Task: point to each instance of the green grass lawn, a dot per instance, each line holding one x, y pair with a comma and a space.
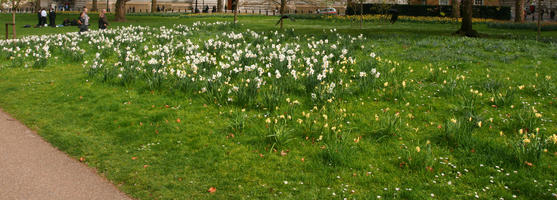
448, 117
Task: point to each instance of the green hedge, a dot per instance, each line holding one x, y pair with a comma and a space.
158, 14
526, 26
487, 12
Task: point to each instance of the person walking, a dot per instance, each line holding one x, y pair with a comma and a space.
103, 23
52, 17
83, 21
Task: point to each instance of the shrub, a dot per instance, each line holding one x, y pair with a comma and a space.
491, 12
524, 26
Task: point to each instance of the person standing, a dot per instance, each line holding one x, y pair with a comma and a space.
103, 23
533, 11
83, 21
43, 17
52, 17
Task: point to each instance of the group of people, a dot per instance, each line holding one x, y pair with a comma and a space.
532, 10
42, 15
82, 22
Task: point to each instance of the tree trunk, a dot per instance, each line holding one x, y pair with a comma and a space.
466, 27
236, 4
361, 14
120, 14
519, 11
281, 11
220, 5
94, 6
456, 8
13, 20
348, 6
37, 5
540, 10
153, 6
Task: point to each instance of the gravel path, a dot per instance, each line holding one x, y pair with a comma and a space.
31, 168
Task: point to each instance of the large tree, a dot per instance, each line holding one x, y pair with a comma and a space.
466, 26
519, 11
120, 14
153, 6
94, 7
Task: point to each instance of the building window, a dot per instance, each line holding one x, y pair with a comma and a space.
478, 2
443, 2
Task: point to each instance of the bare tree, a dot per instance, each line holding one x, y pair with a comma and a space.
14, 5
153, 6
121, 10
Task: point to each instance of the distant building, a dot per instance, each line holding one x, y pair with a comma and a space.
257, 6
249, 6
449, 2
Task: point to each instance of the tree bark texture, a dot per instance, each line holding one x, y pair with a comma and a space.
466, 26
13, 19
37, 5
519, 11
456, 8
282, 9
220, 5
235, 4
120, 10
